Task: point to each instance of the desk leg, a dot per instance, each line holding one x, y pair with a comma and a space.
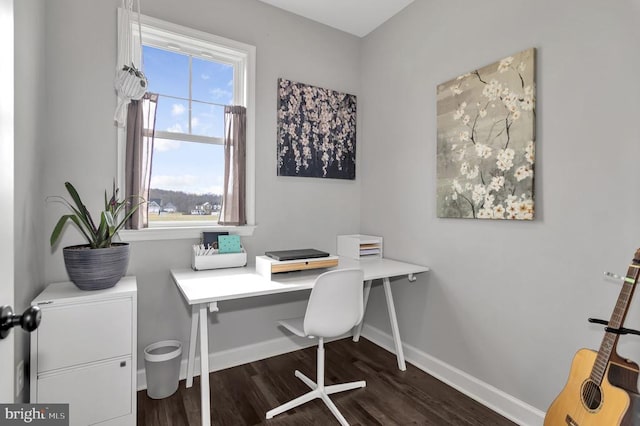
386, 283
358, 329
204, 368
192, 344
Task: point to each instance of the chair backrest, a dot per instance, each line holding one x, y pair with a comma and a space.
335, 304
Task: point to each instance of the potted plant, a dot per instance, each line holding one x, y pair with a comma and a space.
101, 262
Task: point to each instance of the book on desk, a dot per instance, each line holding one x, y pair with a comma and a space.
295, 254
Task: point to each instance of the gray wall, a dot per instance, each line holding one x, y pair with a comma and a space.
30, 235
507, 302
80, 147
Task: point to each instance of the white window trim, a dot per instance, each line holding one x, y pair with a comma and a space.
192, 43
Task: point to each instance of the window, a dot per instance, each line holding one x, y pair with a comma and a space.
195, 75
188, 159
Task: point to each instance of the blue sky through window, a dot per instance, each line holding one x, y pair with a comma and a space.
190, 167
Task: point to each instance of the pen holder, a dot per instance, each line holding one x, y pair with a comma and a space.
215, 260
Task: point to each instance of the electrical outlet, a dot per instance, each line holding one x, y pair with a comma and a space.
19, 378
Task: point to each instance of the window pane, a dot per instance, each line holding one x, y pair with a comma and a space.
167, 72
172, 115
212, 82
186, 181
207, 120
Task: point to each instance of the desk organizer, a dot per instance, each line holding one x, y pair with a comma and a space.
359, 246
267, 266
215, 260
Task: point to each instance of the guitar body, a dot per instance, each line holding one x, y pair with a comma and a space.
632, 418
570, 408
623, 373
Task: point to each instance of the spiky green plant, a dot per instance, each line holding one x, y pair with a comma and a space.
97, 236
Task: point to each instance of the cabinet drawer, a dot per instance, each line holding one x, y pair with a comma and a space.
95, 393
83, 333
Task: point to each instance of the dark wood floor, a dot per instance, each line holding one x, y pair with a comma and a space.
242, 395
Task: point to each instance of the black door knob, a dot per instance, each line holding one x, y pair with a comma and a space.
29, 320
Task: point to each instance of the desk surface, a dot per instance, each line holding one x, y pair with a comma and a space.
234, 283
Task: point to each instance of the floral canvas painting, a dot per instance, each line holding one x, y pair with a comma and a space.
486, 141
316, 132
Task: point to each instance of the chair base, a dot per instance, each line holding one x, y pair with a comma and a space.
322, 392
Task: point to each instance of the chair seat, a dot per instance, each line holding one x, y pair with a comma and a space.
294, 325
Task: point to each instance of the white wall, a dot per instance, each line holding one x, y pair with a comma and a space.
29, 201
507, 302
80, 147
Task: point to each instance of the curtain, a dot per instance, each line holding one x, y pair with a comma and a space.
141, 121
235, 151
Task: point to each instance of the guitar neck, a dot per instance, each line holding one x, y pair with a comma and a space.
610, 340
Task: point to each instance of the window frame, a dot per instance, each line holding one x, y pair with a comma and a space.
173, 37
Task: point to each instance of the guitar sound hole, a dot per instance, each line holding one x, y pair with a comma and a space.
591, 395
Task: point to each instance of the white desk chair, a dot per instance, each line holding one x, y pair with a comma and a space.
335, 306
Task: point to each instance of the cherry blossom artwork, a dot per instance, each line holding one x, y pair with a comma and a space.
486, 141
316, 132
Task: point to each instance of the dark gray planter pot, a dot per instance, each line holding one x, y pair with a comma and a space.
96, 269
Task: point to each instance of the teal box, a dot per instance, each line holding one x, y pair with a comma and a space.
229, 244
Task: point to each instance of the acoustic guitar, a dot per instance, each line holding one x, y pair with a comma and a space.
602, 386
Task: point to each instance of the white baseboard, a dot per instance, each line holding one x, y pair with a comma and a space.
489, 396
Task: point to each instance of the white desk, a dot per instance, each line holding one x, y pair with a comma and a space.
204, 289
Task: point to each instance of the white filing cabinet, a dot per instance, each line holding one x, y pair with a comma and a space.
84, 352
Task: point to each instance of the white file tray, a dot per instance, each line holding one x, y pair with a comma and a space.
217, 260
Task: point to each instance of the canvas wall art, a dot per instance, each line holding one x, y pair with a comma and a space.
316, 132
486, 141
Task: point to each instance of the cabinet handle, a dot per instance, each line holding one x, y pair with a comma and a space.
123, 363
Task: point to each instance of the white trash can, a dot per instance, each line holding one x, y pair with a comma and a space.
162, 368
